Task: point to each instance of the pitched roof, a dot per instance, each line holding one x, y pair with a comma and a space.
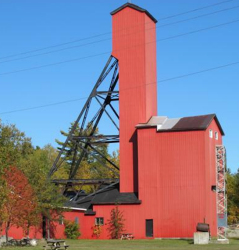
135, 7
191, 123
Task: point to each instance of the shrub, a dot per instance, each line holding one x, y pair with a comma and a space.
116, 223
97, 230
71, 230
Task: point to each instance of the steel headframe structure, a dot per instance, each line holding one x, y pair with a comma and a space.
79, 145
221, 192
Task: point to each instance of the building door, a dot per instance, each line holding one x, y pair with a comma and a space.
149, 228
44, 234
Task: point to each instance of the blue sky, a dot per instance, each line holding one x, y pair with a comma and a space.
29, 25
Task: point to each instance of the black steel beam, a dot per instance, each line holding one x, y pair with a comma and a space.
75, 182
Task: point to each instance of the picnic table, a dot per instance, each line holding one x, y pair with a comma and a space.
127, 236
55, 244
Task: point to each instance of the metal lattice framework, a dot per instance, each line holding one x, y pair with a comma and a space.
81, 145
221, 192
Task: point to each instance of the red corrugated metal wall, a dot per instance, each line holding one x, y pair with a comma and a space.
176, 172
134, 45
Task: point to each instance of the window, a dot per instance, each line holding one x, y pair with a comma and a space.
210, 133
216, 135
77, 220
61, 221
99, 221
214, 188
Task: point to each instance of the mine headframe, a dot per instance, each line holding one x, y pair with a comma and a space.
83, 138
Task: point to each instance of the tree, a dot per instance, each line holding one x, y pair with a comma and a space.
116, 223
20, 204
14, 146
36, 167
16, 150
233, 197
90, 167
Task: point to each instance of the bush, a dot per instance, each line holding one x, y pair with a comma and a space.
97, 230
116, 223
71, 230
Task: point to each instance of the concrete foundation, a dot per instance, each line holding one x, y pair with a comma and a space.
201, 238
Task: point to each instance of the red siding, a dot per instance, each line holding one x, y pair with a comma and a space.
18, 233
134, 46
172, 180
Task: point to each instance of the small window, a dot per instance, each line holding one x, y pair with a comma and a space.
214, 188
216, 135
99, 221
77, 220
61, 220
210, 133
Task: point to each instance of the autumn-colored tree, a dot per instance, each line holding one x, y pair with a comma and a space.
14, 146
20, 205
116, 223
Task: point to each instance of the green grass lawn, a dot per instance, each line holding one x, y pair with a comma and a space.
135, 244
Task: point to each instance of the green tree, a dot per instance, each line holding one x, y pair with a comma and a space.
90, 167
36, 167
14, 146
233, 197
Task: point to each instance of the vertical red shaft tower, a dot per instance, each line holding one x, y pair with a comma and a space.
134, 45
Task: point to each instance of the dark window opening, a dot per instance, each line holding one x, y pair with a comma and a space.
214, 188
99, 221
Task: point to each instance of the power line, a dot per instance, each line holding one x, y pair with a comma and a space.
160, 81
108, 52
200, 72
108, 33
194, 10
42, 106
107, 39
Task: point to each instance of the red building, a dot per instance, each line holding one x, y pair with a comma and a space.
167, 166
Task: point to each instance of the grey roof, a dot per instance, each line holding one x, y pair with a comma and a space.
191, 123
135, 7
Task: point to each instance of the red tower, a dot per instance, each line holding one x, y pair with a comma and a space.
134, 45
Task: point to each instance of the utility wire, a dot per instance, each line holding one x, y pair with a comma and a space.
107, 39
108, 52
43, 106
108, 33
160, 81
194, 10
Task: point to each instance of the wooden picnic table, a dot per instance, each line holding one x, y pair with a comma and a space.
55, 244
127, 236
